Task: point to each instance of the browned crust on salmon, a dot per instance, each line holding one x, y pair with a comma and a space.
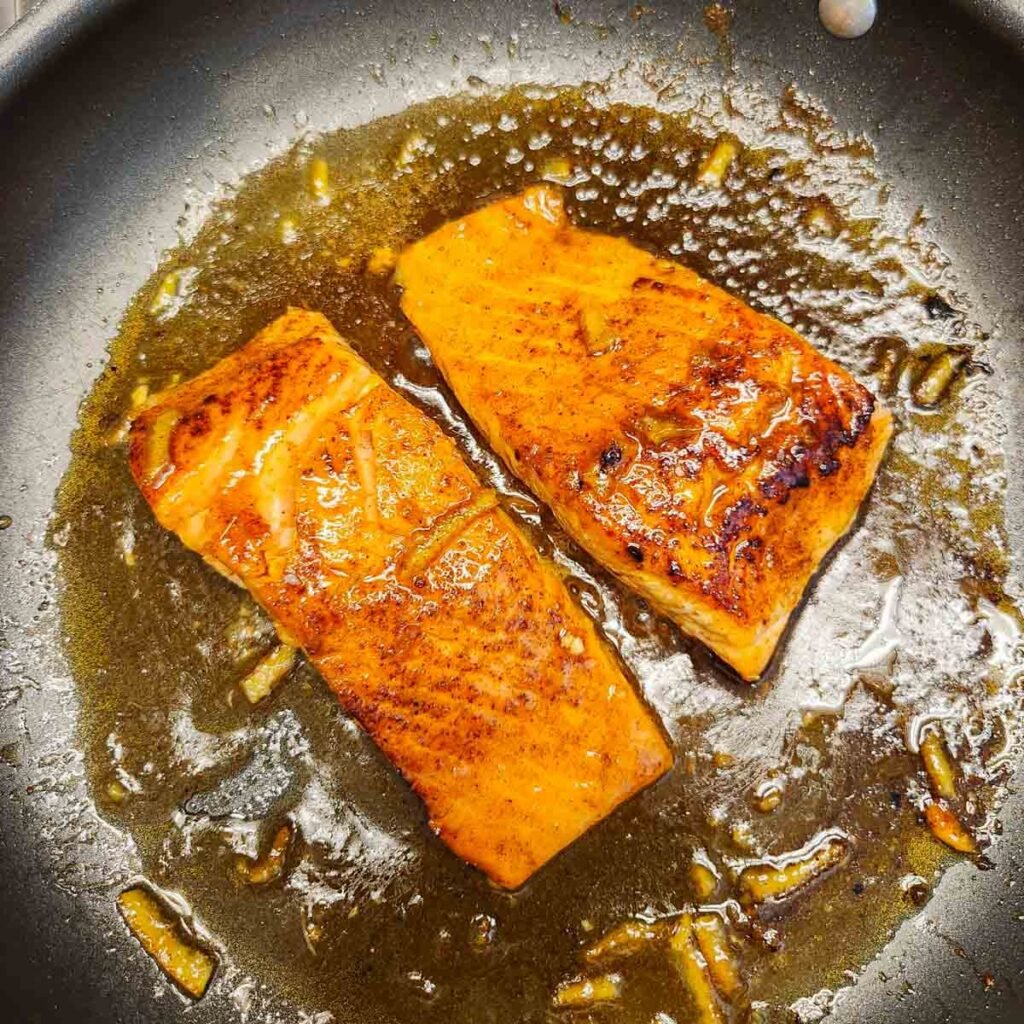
295, 470
703, 451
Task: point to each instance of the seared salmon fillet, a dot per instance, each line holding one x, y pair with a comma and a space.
294, 469
705, 453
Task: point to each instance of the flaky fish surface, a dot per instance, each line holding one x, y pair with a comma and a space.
352, 519
702, 451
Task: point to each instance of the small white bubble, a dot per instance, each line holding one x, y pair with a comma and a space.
422, 983
613, 150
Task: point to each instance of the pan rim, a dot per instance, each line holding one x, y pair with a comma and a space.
41, 36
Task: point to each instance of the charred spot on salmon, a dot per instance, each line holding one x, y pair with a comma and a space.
737, 520
611, 457
635, 552
794, 469
647, 282
790, 475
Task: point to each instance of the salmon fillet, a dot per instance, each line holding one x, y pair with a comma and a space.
294, 469
703, 452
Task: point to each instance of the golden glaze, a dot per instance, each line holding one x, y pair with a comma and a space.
294, 469
704, 452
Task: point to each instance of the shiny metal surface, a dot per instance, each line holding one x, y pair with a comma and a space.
12, 10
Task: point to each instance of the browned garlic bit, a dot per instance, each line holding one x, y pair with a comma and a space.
712, 935
412, 147
946, 827
586, 992
313, 928
715, 166
597, 333
780, 878
158, 932
557, 169
890, 359
821, 221
287, 230
270, 866
938, 765
319, 179
268, 673
693, 969
165, 293
117, 792
625, 940
246, 633
930, 387
768, 796
699, 946
660, 427
703, 877
140, 398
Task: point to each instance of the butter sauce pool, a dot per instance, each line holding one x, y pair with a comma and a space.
909, 622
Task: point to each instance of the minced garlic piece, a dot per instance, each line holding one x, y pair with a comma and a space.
587, 992
713, 170
270, 866
268, 673
188, 966
946, 827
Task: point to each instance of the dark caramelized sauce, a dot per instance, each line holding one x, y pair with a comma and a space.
375, 919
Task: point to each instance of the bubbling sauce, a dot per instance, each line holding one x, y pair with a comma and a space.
908, 624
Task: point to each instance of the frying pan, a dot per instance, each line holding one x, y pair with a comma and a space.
112, 111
